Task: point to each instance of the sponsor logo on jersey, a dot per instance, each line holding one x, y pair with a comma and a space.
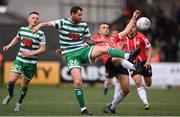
27, 42
73, 36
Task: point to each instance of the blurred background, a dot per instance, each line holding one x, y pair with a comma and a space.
52, 71
164, 34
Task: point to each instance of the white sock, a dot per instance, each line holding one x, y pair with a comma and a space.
82, 109
117, 100
128, 65
126, 55
117, 88
142, 94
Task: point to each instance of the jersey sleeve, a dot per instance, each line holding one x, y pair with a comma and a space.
43, 39
94, 37
146, 42
87, 31
19, 33
118, 37
57, 23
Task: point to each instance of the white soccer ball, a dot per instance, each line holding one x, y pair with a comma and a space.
143, 23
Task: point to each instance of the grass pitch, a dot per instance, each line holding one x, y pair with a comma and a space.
61, 101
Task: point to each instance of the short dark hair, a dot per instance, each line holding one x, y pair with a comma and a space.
103, 23
74, 9
33, 12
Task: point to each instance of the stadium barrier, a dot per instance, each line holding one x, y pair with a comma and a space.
164, 74
47, 73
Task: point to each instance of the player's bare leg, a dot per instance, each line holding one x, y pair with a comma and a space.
76, 75
12, 80
23, 92
148, 81
141, 91
107, 82
125, 84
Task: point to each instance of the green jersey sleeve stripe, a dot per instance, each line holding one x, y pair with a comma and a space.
72, 31
69, 48
29, 37
71, 40
28, 58
24, 47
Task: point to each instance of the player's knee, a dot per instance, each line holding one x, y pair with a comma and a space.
103, 49
148, 81
78, 83
24, 88
11, 81
138, 82
148, 84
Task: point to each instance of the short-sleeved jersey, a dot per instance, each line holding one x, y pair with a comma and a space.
71, 35
29, 42
130, 44
110, 43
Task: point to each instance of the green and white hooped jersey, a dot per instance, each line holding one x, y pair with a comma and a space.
71, 35
29, 42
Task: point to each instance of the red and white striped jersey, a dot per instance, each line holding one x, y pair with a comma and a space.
130, 44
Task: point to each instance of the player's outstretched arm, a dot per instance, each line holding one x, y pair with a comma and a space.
91, 42
42, 25
13, 42
131, 23
149, 56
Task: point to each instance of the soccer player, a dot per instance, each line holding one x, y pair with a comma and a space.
114, 66
132, 41
109, 41
31, 45
72, 33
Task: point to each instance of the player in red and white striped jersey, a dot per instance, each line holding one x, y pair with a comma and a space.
115, 67
130, 42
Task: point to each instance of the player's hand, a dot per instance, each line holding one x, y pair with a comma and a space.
147, 65
99, 40
26, 54
58, 52
136, 14
36, 28
6, 48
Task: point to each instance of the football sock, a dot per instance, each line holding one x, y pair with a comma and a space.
120, 96
117, 89
22, 95
142, 94
116, 53
128, 65
80, 96
10, 88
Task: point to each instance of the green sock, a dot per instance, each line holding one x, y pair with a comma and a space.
80, 96
22, 95
115, 52
10, 88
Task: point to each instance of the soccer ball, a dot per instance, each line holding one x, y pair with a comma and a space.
143, 23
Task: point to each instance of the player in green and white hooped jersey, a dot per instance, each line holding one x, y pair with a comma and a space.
32, 44
72, 32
